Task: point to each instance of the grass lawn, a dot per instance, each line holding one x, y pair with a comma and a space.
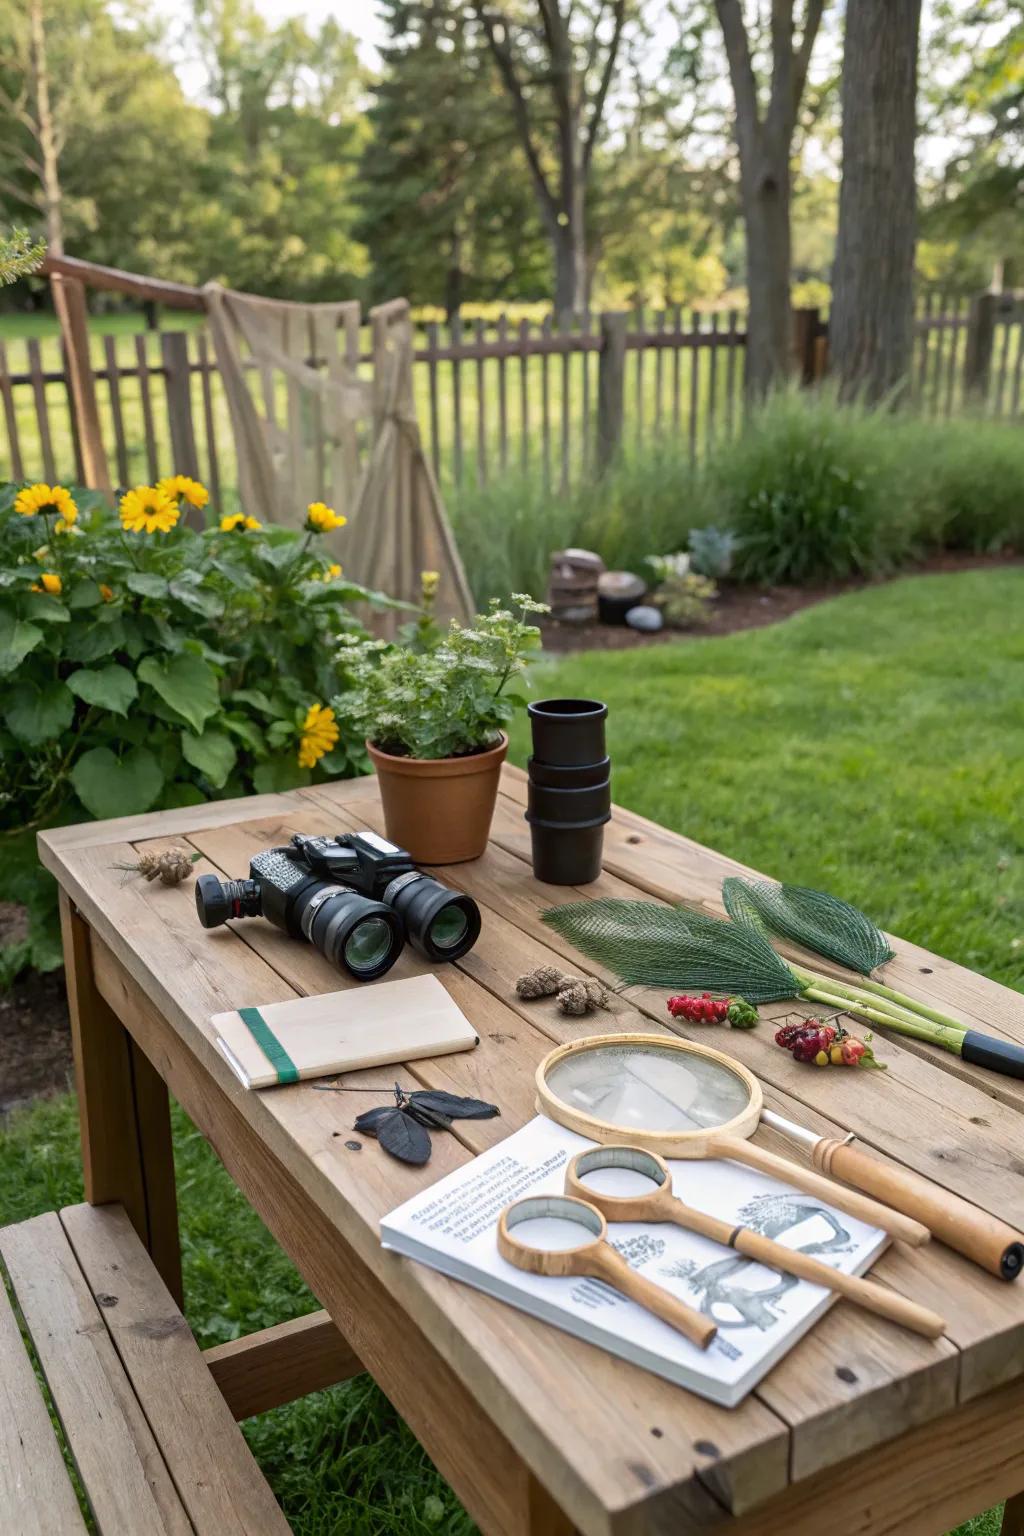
867, 745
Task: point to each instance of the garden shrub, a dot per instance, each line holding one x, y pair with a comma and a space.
808, 489
145, 664
962, 482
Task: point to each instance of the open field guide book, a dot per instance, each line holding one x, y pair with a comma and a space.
760, 1313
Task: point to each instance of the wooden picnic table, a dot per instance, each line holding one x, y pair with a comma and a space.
861, 1428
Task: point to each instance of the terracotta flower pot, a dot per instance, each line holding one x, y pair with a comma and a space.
439, 810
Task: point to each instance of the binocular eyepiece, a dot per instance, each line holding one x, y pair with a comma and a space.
356, 898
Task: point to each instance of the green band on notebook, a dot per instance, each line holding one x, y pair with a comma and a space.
270, 1045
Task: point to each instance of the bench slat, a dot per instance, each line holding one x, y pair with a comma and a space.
219, 1483
36, 1496
127, 1484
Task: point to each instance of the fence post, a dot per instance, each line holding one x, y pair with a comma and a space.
981, 330
69, 302
178, 384
611, 375
807, 328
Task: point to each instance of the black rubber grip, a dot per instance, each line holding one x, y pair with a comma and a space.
998, 1055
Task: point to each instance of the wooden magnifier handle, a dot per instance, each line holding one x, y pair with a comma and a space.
874, 1298
859, 1206
607, 1265
989, 1242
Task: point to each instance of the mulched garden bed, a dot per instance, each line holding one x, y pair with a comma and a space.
745, 607
35, 1040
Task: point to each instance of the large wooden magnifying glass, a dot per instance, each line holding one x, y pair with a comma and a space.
657, 1203
570, 1238
679, 1099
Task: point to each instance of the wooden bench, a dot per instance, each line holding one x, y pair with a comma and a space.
154, 1442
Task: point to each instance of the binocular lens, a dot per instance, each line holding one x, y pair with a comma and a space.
448, 928
367, 945
360, 936
440, 923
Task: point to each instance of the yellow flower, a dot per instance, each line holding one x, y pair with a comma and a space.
319, 735
175, 487
147, 509
332, 573
107, 593
429, 582
51, 583
237, 522
47, 498
322, 519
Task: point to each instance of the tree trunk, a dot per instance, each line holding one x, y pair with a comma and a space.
570, 252
766, 197
871, 326
49, 173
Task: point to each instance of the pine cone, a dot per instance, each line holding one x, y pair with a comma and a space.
174, 866
573, 998
543, 982
148, 865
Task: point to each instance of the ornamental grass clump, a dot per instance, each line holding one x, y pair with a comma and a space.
809, 491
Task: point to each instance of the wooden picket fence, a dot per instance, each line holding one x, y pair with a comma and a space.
548, 400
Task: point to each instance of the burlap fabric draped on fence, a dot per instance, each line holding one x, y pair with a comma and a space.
308, 428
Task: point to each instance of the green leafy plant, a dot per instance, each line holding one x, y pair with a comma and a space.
711, 551
20, 256
144, 663
444, 699
683, 596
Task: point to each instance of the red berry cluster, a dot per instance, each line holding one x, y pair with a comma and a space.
700, 1010
824, 1044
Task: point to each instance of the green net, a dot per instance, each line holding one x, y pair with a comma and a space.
660, 946
817, 921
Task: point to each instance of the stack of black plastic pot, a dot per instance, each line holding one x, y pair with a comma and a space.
569, 790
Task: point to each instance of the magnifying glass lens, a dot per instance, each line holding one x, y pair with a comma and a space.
649, 1088
552, 1224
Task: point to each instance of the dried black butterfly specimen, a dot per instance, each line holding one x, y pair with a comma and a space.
402, 1127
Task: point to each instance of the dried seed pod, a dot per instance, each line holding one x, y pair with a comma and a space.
174, 866
573, 998
170, 867
543, 982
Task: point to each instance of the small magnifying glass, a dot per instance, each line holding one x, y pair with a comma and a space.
626, 1183
563, 1236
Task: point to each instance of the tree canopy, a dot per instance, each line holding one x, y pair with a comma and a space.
501, 150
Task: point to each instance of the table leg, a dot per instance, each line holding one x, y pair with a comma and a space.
1013, 1517
123, 1111
543, 1517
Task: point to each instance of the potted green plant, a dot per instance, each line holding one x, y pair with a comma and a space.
432, 711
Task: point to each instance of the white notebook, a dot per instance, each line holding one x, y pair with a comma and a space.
364, 1026
760, 1312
